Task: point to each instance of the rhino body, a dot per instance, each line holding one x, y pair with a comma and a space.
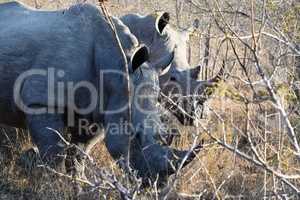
180, 83
78, 44
76, 41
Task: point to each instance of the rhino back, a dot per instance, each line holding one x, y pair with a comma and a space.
43, 39
62, 40
143, 27
77, 40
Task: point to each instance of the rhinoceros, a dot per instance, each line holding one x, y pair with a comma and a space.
46, 54
181, 84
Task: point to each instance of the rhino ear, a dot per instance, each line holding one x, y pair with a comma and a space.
140, 56
162, 21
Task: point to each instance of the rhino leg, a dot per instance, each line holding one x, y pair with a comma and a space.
49, 143
84, 139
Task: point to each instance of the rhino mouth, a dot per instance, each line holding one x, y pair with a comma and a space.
157, 162
187, 107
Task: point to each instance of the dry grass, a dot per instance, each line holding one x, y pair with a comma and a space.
217, 173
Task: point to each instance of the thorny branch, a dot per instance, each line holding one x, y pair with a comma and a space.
105, 176
253, 47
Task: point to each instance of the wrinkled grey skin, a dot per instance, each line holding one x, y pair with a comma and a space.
182, 79
79, 41
146, 153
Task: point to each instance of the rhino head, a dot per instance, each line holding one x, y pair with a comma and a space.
136, 147
180, 84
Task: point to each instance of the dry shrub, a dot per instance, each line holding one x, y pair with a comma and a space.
216, 173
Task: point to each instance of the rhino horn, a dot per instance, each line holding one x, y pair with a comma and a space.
219, 76
163, 65
213, 81
185, 157
160, 161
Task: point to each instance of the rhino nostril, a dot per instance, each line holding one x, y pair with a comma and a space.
172, 78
